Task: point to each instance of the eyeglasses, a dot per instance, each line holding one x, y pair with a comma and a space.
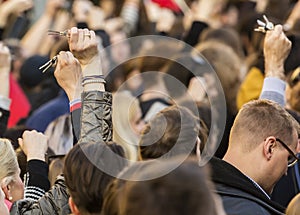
293, 158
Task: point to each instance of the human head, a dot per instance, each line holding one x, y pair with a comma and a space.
128, 122
30, 75
224, 35
85, 180
294, 206
227, 65
181, 70
171, 126
155, 55
256, 121
254, 136
185, 190
11, 182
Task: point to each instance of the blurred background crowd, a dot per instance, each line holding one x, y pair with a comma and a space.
221, 30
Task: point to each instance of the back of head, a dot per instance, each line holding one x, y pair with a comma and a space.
185, 190
224, 35
259, 119
227, 65
173, 126
8, 161
30, 75
294, 206
181, 70
155, 56
84, 175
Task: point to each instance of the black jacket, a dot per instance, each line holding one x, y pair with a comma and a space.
238, 192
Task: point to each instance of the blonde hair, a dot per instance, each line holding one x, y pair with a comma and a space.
294, 206
8, 162
125, 107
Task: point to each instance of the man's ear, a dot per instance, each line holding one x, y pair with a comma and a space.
269, 144
73, 207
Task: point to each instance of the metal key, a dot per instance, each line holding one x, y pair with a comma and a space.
63, 33
264, 26
58, 33
48, 64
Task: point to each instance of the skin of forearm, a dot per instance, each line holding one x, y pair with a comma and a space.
275, 70
35, 36
93, 68
4, 86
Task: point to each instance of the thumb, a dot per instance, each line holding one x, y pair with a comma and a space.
20, 140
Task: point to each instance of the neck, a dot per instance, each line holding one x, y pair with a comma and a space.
252, 169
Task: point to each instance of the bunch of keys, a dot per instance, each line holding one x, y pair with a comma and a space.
63, 33
264, 26
59, 33
53, 61
49, 64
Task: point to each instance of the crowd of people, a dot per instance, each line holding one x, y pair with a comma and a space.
149, 107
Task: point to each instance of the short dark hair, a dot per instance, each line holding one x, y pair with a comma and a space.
171, 126
85, 180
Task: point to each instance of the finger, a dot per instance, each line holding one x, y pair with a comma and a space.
63, 58
20, 141
80, 36
86, 35
278, 30
69, 56
73, 36
92, 35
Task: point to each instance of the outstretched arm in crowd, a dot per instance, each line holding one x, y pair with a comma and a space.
96, 121
36, 34
96, 103
34, 144
12, 7
276, 49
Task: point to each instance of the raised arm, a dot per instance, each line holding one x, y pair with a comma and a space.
96, 121
276, 49
35, 144
35, 36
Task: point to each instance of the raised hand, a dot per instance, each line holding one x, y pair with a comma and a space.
84, 45
13, 7
68, 74
276, 49
34, 144
52, 7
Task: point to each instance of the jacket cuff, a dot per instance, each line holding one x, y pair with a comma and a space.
38, 174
